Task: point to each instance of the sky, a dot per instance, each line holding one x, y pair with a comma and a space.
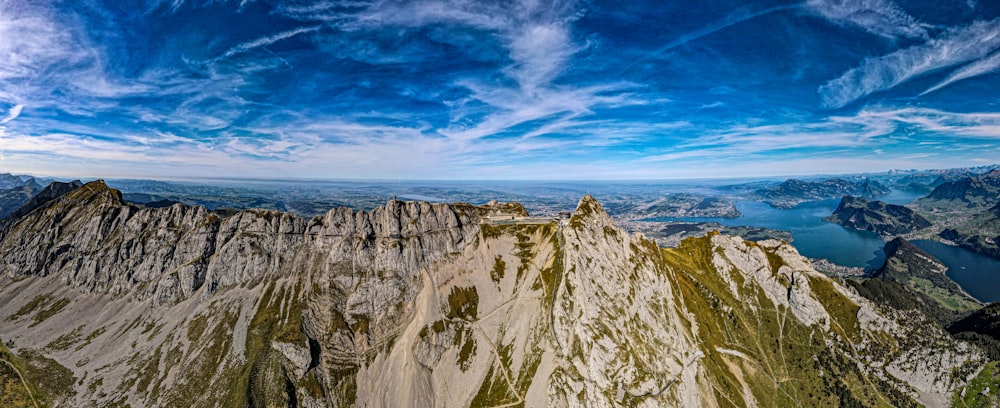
524, 89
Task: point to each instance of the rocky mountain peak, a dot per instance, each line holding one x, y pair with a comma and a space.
589, 209
51, 192
96, 190
899, 246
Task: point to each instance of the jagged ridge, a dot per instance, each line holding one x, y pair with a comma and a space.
415, 304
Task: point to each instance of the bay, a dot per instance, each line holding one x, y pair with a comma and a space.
975, 273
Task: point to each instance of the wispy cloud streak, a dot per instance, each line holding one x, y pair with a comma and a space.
736, 17
984, 66
880, 17
265, 41
886, 72
12, 113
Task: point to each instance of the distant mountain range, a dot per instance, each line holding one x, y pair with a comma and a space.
971, 191
793, 192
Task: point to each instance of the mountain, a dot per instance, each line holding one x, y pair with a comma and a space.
972, 191
16, 193
9, 181
792, 192
876, 216
14, 198
911, 278
424, 305
981, 326
54, 190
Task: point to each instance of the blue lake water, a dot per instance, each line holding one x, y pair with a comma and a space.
975, 273
813, 237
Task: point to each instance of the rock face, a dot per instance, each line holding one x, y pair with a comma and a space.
792, 192
876, 216
434, 305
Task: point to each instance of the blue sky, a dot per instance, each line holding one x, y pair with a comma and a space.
527, 89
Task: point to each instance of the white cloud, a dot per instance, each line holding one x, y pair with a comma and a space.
539, 52
880, 17
539, 42
882, 73
12, 113
983, 66
875, 130
978, 125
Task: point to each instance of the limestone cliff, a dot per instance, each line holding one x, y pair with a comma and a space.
439, 305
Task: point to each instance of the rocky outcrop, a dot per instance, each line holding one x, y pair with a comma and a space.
792, 192
421, 305
876, 216
51, 192
90, 238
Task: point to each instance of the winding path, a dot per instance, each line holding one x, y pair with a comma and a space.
24, 383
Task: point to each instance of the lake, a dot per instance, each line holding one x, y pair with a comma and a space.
813, 237
975, 273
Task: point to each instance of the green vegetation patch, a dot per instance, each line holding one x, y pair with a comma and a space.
492, 231
53, 379
468, 349
210, 378
955, 302
982, 391
751, 343
499, 266
344, 383
494, 391
311, 384
463, 303
13, 391
197, 328
90, 337
49, 310
46, 306
843, 311
362, 324
65, 341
